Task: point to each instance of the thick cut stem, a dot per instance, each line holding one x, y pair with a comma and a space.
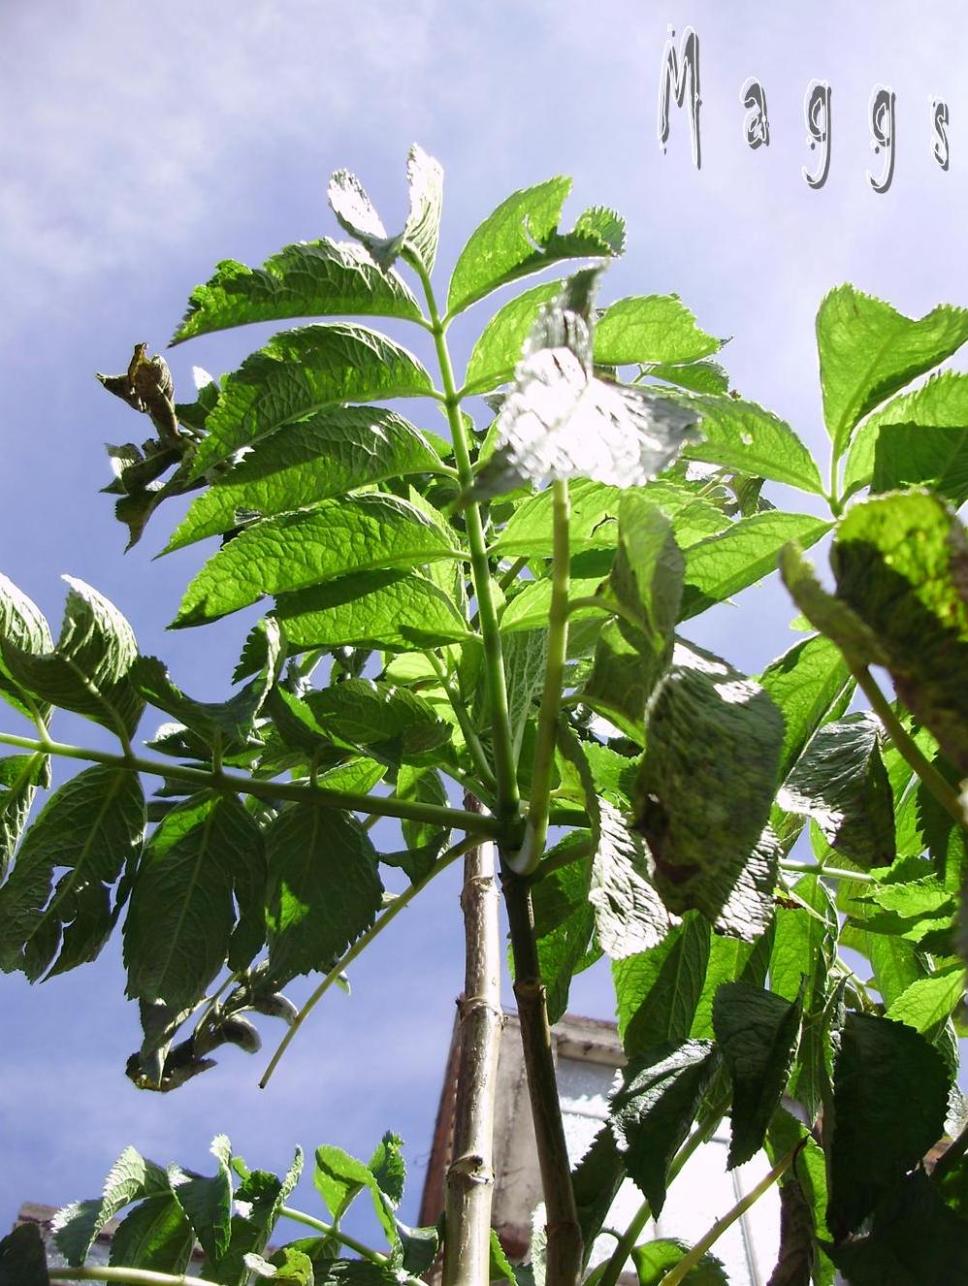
470, 1175
564, 1242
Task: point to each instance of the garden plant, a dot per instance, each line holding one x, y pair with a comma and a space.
479, 628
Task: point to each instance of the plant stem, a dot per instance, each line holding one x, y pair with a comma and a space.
507, 804
337, 1234
564, 1241
131, 1276
835, 873
526, 861
470, 1175
348, 956
906, 744
471, 738
513, 572
690, 1260
378, 805
629, 1238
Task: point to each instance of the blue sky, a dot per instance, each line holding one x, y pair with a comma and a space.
144, 143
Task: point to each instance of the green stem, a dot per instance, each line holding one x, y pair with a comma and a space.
689, 1261
526, 861
507, 804
906, 744
475, 749
607, 605
629, 1238
834, 872
513, 572
374, 931
130, 1276
337, 1234
379, 805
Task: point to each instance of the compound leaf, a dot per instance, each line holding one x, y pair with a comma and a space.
296, 551
90, 830
88, 670
840, 781
300, 372
757, 1033
325, 455
310, 279
323, 890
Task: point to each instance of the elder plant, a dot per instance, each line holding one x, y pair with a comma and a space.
480, 631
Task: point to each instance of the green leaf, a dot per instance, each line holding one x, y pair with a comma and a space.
561, 421
392, 611
563, 920
258, 1201
868, 351
890, 1102
207, 1202
355, 1272
23, 624
221, 724
656, 1258
181, 915
646, 581
88, 670
76, 1227
389, 1168
23, 1259
806, 683
594, 518
300, 372
155, 1235
830, 615
695, 377
326, 455
295, 551
900, 563
323, 889
804, 945
390, 721
501, 1269
916, 439
927, 1003
841, 782
654, 1109
311, 279
500, 345
713, 735
743, 437
629, 915
730, 960
92, 828
757, 1033
915, 1240
20, 775
657, 991
418, 240
340, 1178
741, 555
521, 237
424, 841
650, 328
